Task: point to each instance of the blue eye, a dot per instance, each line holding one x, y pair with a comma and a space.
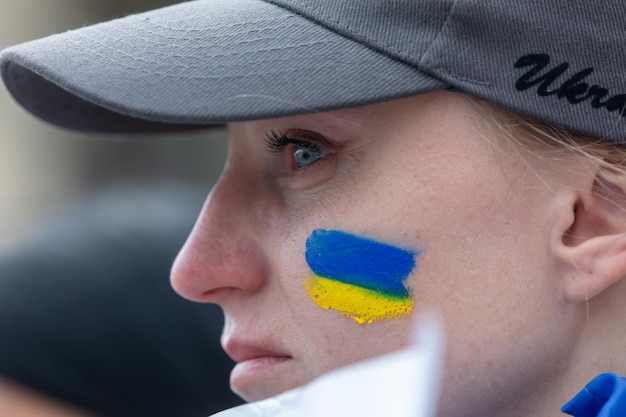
305, 154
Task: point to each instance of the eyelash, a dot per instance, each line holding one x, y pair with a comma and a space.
303, 154
277, 141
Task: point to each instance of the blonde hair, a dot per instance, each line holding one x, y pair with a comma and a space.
553, 144
547, 140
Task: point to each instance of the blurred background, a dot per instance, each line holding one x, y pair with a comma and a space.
43, 167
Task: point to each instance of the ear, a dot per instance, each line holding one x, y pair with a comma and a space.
589, 235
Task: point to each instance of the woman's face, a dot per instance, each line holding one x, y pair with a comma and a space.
327, 234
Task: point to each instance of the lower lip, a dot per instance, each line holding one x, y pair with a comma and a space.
255, 371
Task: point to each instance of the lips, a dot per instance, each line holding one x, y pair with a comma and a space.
259, 371
243, 352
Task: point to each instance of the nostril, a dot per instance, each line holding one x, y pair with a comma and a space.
210, 293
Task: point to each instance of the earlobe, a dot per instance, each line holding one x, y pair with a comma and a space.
590, 238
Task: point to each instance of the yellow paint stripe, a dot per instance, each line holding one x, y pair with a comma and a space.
362, 304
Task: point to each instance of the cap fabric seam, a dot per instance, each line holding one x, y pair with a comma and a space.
373, 43
463, 79
439, 69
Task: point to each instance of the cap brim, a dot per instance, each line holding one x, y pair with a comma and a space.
200, 63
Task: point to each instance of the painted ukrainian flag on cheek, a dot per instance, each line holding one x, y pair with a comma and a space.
358, 277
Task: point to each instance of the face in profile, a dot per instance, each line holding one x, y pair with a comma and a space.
327, 235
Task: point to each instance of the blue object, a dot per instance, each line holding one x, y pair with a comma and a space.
356, 260
604, 396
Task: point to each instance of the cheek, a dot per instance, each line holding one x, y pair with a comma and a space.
483, 259
490, 277
358, 277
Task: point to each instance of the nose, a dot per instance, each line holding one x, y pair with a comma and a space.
223, 254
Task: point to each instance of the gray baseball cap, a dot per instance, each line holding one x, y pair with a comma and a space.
205, 62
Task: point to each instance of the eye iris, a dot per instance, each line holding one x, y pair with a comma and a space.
306, 155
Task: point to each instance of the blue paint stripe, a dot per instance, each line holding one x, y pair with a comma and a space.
359, 261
